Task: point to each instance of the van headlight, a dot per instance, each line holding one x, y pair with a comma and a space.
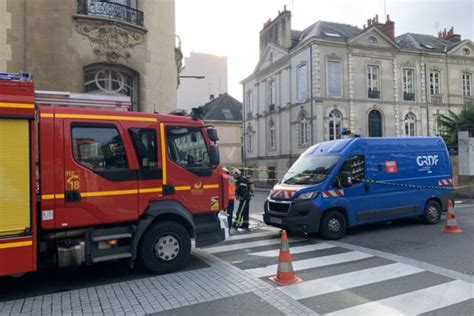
308, 195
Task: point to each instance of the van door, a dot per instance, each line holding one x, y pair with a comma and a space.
187, 174
100, 184
398, 197
355, 191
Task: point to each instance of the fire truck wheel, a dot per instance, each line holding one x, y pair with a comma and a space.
165, 247
333, 225
432, 213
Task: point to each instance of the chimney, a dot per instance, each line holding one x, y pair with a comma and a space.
211, 97
449, 35
388, 28
277, 31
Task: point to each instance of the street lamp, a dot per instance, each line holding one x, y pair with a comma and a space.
192, 77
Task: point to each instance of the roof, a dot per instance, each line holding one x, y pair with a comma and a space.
424, 42
223, 108
331, 30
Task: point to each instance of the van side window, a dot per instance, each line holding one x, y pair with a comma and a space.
99, 148
144, 142
355, 166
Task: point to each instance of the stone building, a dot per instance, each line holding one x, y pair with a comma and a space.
125, 47
225, 114
308, 85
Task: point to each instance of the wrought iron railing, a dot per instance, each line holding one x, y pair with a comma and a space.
436, 99
408, 96
374, 94
110, 10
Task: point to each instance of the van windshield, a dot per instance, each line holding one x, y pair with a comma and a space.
310, 170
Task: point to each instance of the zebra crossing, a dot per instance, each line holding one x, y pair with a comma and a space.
341, 281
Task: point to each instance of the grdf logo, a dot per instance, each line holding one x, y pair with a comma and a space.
428, 161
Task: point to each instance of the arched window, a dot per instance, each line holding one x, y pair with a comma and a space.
335, 125
111, 80
249, 138
410, 124
375, 124
303, 128
272, 134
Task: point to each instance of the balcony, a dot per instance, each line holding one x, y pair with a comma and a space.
110, 10
374, 94
408, 96
468, 102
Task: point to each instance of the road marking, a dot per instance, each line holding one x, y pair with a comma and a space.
253, 235
312, 263
245, 245
417, 302
294, 250
348, 280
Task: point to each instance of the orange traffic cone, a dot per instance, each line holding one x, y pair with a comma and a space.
451, 222
285, 274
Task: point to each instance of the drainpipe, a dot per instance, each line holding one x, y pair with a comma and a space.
426, 100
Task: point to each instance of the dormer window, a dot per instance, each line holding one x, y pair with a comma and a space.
372, 40
427, 46
270, 58
466, 51
331, 34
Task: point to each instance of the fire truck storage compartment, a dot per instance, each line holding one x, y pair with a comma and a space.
14, 177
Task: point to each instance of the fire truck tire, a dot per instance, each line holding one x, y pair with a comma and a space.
165, 247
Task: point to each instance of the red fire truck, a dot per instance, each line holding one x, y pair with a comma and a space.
79, 186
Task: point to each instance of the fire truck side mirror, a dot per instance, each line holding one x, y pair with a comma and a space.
214, 158
212, 133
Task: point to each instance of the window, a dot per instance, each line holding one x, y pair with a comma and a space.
408, 85
310, 169
249, 138
467, 84
302, 83
334, 69
466, 51
144, 142
250, 108
410, 124
270, 58
373, 81
186, 147
354, 167
98, 148
372, 40
375, 124
335, 122
272, 179
272, 94
329, 34
435, 82
228, 114
272, 135
303, 128
102, 79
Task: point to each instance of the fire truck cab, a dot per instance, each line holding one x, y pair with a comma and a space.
80, 186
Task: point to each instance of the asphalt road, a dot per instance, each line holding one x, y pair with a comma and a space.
411, 239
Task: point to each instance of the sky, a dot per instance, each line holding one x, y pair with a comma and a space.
231, 27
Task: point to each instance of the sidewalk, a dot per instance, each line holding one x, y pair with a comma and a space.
222, 287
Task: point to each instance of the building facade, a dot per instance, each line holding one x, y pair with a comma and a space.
124, 47
192, 92
225, 114
308, 85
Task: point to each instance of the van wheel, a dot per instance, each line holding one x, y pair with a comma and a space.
165, 247
432, 213
333, 225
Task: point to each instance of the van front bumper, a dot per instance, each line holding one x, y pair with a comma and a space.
302, 216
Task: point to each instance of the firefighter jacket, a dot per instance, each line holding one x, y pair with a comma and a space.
244, 189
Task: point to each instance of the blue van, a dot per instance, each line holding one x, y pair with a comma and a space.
347, 182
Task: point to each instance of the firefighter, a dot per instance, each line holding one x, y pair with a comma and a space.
244, 194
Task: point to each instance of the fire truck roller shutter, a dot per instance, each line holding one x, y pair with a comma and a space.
14, 176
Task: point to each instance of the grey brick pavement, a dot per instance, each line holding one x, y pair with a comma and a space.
157, 293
